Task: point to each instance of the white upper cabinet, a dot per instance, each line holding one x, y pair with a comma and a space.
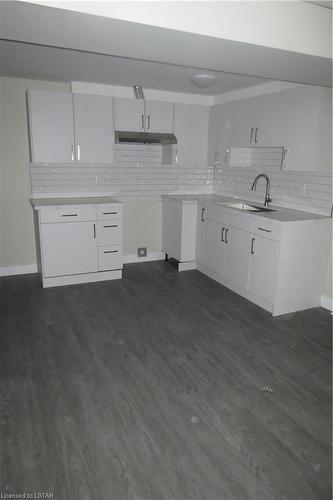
191, 131
159, 117
93, 124
181, 131
198, 138
51, 126
70, 128
298, 119
129, 114
137, 115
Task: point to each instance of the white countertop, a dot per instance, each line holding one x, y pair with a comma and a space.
280, 214
55, 202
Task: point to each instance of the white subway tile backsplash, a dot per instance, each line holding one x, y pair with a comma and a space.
301, 190
137, 174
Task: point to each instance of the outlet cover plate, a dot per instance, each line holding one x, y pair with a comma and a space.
142, 252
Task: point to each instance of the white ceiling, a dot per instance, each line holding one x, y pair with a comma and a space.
52, 43
328, 4
50, 63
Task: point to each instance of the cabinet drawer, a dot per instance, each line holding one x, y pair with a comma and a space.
109, 212
110, 233
70, 213
109, 258
267, 229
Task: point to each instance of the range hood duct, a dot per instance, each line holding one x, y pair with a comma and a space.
122, 137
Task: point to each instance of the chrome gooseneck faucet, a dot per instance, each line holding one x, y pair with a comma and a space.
268, 197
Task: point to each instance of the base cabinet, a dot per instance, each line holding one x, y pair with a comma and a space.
237, 255
179, 231
279, 266
263, 267
214, 247
200, 250
80, 243
69, 248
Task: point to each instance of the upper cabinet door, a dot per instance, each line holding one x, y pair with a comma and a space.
93, 125
191, 131
51, 126
198, 135
182, 133
159, 116
129, 114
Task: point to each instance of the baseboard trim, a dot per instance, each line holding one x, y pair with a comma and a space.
130, 259
76, 279
13, 270
187, 266
32, 268
327, 302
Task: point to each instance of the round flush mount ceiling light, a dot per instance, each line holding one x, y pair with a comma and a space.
203, 80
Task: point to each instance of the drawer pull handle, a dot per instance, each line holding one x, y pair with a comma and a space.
113, 225
266, 230
256, 136
69, 215
252, 245
110, 251
110, 213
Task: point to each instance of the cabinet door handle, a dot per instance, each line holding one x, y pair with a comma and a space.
72, 152
251, 135
142, 122
148, 127
176, 155
69, 215
256, 136
266, 230
94, 231
78, 153
252, 245
222, 234
202, 215
226, 235
110, 213
113, 225
110, 251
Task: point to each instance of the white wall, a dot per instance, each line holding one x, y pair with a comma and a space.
282, 25
142, 226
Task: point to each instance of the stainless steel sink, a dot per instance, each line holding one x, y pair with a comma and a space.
247, 208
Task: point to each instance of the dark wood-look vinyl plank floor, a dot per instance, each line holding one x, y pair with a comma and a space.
150, 388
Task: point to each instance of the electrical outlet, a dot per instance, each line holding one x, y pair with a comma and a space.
142, 252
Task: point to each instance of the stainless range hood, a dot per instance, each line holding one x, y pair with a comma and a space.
122, 137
